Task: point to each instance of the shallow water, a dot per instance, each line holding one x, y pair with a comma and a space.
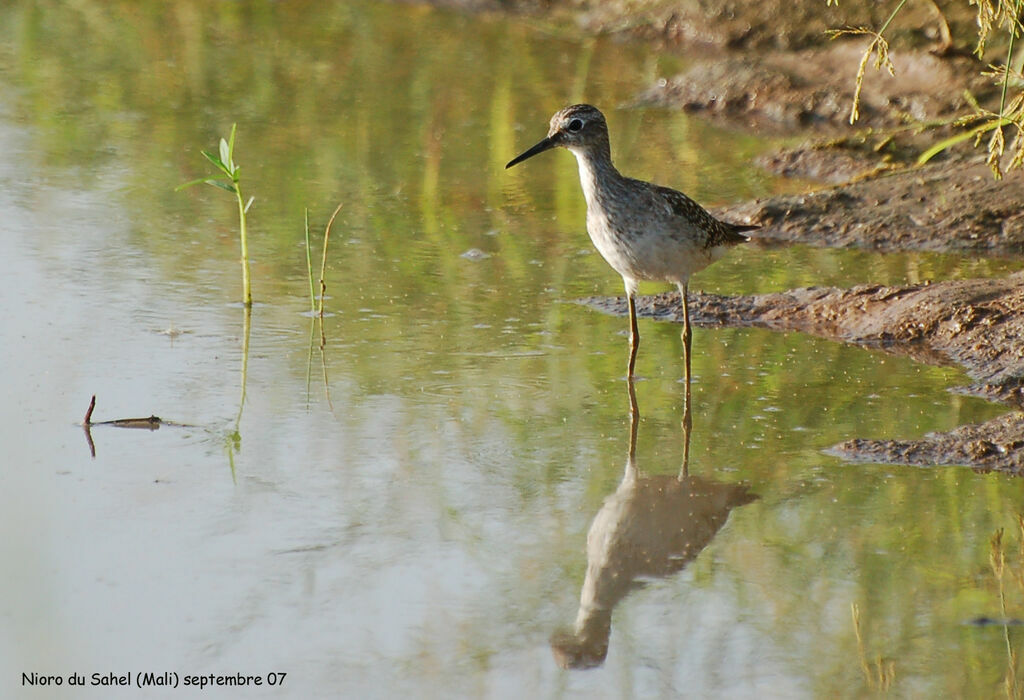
406, 511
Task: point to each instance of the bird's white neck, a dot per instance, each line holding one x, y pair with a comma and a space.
596, 172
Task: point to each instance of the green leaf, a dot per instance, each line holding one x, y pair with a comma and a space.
189, 184
207, 181
218, 163
221, 184
225, 156
959, 138
943, 145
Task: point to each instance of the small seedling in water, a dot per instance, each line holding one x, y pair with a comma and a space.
323, 263
309, 268
225, 163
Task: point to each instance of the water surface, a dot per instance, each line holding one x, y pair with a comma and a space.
406, 510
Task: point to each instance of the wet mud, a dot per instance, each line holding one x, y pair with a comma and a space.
812, 91
949, 207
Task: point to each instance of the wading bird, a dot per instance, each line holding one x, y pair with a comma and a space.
644, 231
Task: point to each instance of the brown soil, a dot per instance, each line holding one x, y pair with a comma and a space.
814, 89
995, 445
785, 25
948, 206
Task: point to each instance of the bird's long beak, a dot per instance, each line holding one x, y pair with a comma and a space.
542, 146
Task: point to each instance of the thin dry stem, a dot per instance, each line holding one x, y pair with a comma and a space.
323, 260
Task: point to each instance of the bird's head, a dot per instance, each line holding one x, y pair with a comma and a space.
578, 128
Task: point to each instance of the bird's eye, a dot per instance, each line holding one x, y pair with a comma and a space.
575, 125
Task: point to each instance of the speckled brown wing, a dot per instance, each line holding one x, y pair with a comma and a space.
719, 232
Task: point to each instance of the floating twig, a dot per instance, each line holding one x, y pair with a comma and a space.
148, 423
88, 413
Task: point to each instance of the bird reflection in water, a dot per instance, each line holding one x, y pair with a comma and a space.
652, 526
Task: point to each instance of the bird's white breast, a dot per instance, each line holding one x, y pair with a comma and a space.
636, 232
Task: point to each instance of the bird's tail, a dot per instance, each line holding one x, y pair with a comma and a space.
736, 232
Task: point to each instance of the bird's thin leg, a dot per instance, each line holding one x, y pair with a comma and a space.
687, 424
634, 334
687, 412
634, 417
687, 333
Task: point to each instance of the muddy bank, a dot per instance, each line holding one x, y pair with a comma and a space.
805, 84
813, 89
787, 25
946, 206
996, 445
978, 324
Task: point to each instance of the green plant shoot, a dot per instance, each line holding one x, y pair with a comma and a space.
224, 161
